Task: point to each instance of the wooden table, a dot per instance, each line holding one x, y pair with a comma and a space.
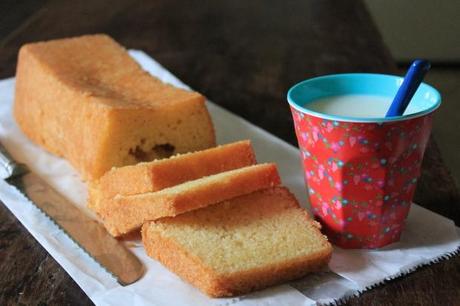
243, 55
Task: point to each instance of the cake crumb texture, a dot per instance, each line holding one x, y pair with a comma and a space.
240, 245
123, 214
160, 174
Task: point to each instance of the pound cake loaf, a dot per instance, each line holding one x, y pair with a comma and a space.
123, 214
164, 173
239, 245
87, 100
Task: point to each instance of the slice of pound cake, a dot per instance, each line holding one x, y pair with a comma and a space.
240, 245
87, 100
123, 214
164, 173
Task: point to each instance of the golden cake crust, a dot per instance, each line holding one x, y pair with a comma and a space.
160, 174
123, 214
87, 100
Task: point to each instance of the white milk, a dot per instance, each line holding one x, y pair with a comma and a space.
361, 106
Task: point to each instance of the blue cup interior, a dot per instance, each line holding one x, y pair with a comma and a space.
425, 100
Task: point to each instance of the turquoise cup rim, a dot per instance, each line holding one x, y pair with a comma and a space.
427, 98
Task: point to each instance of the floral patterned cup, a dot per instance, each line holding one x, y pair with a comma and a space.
361, 173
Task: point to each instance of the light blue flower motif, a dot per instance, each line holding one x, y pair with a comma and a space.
340, 163
414, 146
386, 229
349, 236
386, 198
341, 143
344, 202
335, 123
383, 161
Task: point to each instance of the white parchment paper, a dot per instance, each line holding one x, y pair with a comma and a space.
428, 237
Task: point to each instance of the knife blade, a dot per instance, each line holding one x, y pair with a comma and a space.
89, 234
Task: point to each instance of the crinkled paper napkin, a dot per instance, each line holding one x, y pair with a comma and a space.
428, 237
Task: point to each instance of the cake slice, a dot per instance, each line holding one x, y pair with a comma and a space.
123, 214
240, 245
164, 173
87, 100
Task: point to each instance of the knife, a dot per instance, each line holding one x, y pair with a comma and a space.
89, 234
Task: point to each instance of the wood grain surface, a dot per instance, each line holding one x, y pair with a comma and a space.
243, 55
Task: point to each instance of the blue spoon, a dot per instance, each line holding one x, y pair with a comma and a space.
412, 80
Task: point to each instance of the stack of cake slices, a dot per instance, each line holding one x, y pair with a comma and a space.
214, 217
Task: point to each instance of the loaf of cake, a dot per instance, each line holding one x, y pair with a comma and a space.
240, 245
87, 100
159, 174
123, 214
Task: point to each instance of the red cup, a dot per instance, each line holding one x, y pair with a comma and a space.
361, 175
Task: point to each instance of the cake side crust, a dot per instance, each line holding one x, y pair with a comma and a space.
57, 118
177, 259
123, 214
160, 174
87, 100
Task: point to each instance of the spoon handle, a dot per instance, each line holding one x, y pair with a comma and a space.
412, 80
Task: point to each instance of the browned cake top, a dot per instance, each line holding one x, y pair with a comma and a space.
98, 66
